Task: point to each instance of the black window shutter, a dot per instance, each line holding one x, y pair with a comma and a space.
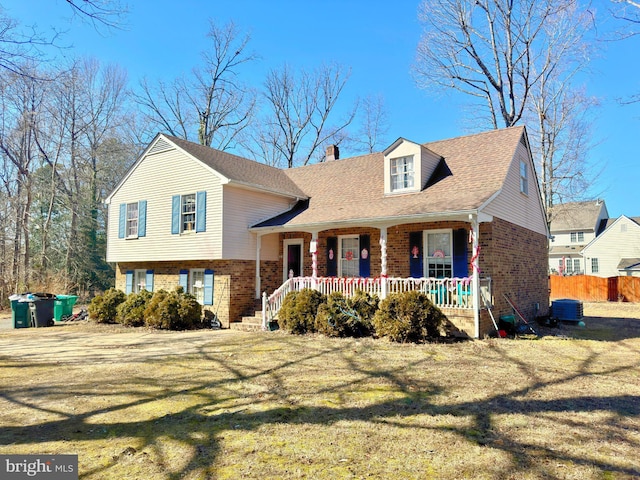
415, 255
365, 251
332, 256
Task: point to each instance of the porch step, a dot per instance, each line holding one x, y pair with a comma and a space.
248, 324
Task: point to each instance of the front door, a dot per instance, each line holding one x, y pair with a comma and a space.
292, 258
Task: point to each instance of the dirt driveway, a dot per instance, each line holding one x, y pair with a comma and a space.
87, 342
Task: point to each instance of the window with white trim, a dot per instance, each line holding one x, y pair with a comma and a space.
349, 260
132, 220
188, 212
524, 178
594, 265
438, 253
196, 284
139, 280
577, 237
402, 173
576, 265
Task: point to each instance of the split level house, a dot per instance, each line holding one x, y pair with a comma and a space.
459, 219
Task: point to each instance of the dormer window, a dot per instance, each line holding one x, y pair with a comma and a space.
402, 173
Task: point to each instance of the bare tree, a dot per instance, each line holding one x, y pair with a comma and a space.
374, 123
20, 46
492, 50
628, 10
212, 105
100, 13
517, 60
299, 109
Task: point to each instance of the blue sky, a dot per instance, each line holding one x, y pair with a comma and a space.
376, 39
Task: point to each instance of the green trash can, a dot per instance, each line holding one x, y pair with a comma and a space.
41, 309
20, 316
63, 307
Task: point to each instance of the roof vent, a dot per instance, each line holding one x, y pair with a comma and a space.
333, 153
160, 146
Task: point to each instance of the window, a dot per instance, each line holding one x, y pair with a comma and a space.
188, 212
438, 250
402, 173
594, 265
560, 265
139, 281
199, 283
524, 178
132, 219
196, 284
576, 265
569, 266
577, 237
348, 261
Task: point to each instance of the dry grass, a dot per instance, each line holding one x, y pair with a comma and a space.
138, 404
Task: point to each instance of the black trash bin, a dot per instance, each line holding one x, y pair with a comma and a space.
41, 309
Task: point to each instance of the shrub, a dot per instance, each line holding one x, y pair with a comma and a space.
103, 308
172, 310
299, 310
341, 317
189, 311
131, 311
408, 317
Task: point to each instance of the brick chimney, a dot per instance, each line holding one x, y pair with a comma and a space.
333, 153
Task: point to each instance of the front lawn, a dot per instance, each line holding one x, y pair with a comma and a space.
139, 404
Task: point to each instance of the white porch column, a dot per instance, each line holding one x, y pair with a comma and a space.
313, 248
258, 246
383, 262
475, 277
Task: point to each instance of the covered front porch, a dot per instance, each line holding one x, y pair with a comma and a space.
439, 258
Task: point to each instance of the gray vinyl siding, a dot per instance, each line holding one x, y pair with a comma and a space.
514, 206
156, 178
613, 245
243, 208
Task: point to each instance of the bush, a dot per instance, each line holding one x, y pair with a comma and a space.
408, 317
341, 317
103, 308
172, 310
131, 311
299, 310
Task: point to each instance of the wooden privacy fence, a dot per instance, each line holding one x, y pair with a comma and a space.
595, 289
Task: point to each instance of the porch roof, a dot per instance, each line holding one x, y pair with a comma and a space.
473, 169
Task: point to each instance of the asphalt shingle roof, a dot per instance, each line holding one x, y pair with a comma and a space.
472, 169
240, 169
575, 216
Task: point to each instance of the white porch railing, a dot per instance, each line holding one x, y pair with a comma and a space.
443, 292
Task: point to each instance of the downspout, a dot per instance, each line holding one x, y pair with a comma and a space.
475, 281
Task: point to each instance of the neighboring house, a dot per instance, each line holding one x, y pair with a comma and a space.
573, 226
615, 252
453, 218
